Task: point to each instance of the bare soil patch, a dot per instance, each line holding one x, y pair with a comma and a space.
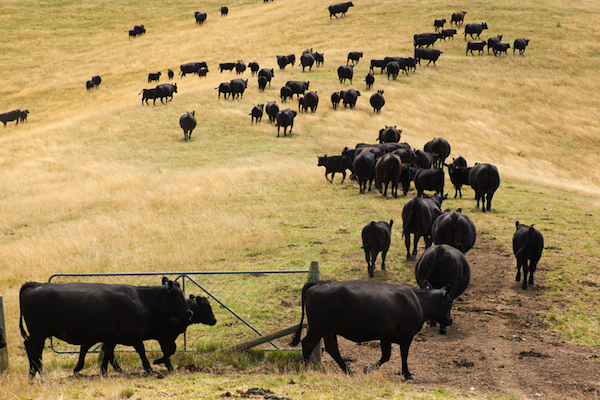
498, 343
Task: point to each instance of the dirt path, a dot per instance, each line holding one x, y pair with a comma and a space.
497, 343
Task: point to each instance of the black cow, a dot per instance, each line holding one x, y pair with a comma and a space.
224, 11
448, 33
139, 29
376, 238
200, 17
202, 72
238, 86
458, 18
307, 60
257, 112
283, 61
240, 67
354, 56
291, 59
87, 313
428, 179
224, 88
262, 83
363, 166
350, 97
439, 24
23, 116
377, 101
154, 77
14, 115
459, 175
455, 229
170, 73
298, 87
492, 41
475, 46
427, 54
336, 97
389, 134
377, 64
284, 119
528, 244
227, 66
500, 48
267, 73
393, 69
164, 90
191, 68
311, 100
440, 148
387, 170
188, 123
443, 266
345, 72
285, 93
407, 156
254, 67
426, 39
339, 8
364, 311
319, 58
370, 79
424, 159
272, 109
97, 80
418, 215
474, 30
521, 45
335, 164
89, 85
405, 176
485, 180
147, 94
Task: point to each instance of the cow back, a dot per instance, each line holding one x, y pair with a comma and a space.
441, 265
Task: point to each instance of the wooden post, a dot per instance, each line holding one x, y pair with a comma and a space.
315, 275
3, 339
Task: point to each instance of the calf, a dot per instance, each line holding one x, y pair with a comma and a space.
89, 85
428, 179
254, 67
528, 244
319, 58
455, 229
485, 180
376, 238
284, 119
387, 170
345, 72
418, 215
267, 73
170, 73
458, 18
448, 33
521, 45
377, 101
354, 56
363, 311
500, 48
443, 266
475, 46
256, 113
492, 41
458, 176
188, 123
272, 109
262, 83
224, 11
147, 94
339, 8
200, 17
335, 99
370, 79
154, 77
23, 116
474, 30
438, 24
335, 164
364, 169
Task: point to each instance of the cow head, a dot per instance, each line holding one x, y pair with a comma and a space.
202, 310
443, 301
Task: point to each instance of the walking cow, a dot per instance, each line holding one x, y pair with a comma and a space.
485, 180
377, 101
339, 8
455, 229
418, 216
187, 123
376, 238
284, 119
528, 244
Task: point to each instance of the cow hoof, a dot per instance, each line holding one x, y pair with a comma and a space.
368, 368
409, 377
442, 330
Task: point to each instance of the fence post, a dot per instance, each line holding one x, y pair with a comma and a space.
315, 275
3, 339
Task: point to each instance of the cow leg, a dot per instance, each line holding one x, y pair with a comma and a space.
141, 350
386, 352
482, 202
525, 272
404, 347
370, 268
407, 243
109, 356
82, 353
331, 346
372, 265
518, 277
34, 347
383, 254
343, 176
309, 343
165, 346
416, 242
490, 196
332, 175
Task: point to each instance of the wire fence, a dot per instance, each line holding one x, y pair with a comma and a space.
246, 304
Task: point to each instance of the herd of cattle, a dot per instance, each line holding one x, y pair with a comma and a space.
85, 314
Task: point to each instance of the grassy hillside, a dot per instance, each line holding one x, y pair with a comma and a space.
96, 182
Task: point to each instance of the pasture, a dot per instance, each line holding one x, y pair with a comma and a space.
96, 182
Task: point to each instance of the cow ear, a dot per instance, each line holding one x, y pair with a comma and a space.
447, 289
517, 224
192, 297
427, 285
165, 280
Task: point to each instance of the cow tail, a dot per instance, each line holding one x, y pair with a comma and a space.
408, 222
438, 252
526, 245
296, 337
21, 327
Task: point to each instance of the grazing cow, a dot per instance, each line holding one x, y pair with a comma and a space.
438, 24
424, 159
238, 86
387, 170
345, 72
428, 179
448, 33
455, 229
262, 83
188, 123
285, 93
272, 109
389, 134
254, 67
14, 115
364, 311
500, 48
319, 58
393, 69
307, 60
89, 85
521, 45
284, 119
363, 166
191, 68
224, 11
240, 67
154, 77
267, 73
426, 39
440, 148
377, 101
335, 99
257, 112
475, 46
370, 79
224, 88
474, 30
311, 100
458, 18
459, 176
335, 164
164, 90
170, 73
427, 54
97, 80
418, 215
282, 61
443, 266
485, 180
354, 56
528, 244
298, 87
200, 17
339, 8
492, 41
350, 97
377, 64
147, 94
376, 238
228, 66
87, 313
